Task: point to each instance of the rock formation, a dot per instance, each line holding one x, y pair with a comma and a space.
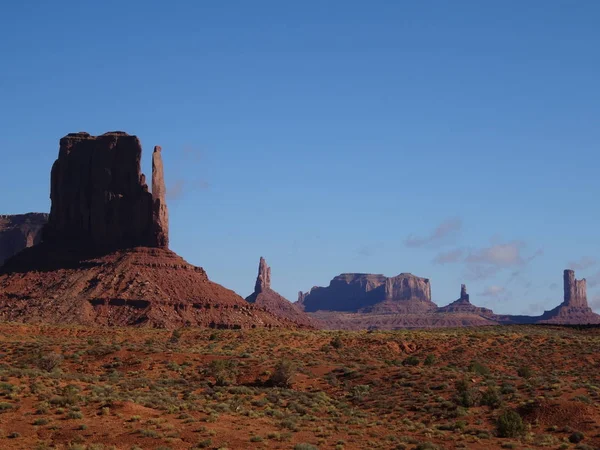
20, 231
104, 258
265, 297
100, 200
463, 305
360, 292
575, 291
574, 309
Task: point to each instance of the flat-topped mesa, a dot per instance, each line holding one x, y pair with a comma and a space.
365, 292
263, 280
575, 290
100, 199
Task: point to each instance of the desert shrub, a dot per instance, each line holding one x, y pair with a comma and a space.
359, 392
430, 360
510, 424
507, 388
5, 406
305, 447
49, 361
224, 371
411, 361
576, 437
283, 374
479, 368
427, 446
336, 342
525, 372
466, 395
491, 398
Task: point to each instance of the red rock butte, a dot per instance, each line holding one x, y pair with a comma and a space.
104, 258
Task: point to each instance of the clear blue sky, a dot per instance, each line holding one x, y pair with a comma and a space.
332, 136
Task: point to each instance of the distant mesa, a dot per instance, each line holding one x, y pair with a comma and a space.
366, 301
369, 293
104, 257
20, 231
265, 297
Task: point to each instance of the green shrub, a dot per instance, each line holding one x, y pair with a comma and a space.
525, 372
224, 371
411, 361
510, 424
336, 342
576, 437
466, 395
305, 447
491, 398
283, 374
430, 360
479, 368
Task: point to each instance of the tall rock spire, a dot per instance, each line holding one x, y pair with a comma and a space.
575, 290
463, 293
160, 213
263, 280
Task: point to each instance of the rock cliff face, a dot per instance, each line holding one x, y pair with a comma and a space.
574, 309
20, 231
265, 297
354, 292
104, 258
575, 291
100, 199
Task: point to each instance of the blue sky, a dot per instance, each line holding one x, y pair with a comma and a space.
454, 140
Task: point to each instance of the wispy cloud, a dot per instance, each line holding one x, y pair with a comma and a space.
503, 255
594, 280
583, 263
442, 231
493, 291
449, 257
488, 261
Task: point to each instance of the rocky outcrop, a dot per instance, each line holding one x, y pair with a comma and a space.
265, 297
463, 305
100, 199
20, 231
575, 290
360, 292
104, 258
263, 280
574, 309
140, 287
